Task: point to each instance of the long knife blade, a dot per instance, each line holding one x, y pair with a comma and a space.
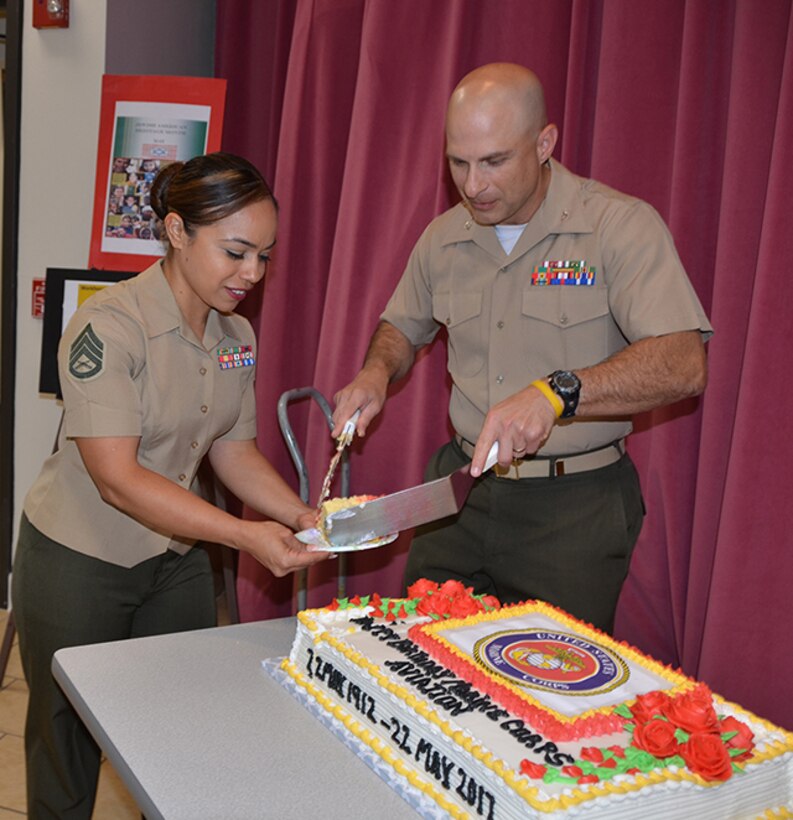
404, 509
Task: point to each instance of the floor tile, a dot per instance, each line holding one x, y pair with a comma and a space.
113, 801
12, 765
14, 668
13, 704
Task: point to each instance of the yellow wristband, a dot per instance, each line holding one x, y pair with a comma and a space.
545, 389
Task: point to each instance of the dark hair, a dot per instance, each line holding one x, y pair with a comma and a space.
207, 188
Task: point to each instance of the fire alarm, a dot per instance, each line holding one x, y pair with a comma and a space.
50, 13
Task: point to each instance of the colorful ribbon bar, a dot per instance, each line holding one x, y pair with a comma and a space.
229, 357
565, 272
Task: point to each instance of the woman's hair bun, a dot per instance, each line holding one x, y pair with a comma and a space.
159, 188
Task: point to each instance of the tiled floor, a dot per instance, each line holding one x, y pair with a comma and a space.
113, 802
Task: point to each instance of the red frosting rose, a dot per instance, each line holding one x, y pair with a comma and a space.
649, 705
491, 602
743, 740
462, 606
706, 755
434, 605
454, 588
656, 737
421, 588
692, 711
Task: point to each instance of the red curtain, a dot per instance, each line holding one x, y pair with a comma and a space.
685, 103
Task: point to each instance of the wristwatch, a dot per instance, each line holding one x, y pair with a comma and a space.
567, 386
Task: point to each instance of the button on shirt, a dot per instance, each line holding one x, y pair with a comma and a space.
509, 323
158, 382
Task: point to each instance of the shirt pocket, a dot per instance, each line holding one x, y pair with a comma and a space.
460, 313
574, 321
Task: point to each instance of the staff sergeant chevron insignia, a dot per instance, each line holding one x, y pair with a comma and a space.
86, 354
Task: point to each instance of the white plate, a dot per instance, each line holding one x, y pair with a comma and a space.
313, 540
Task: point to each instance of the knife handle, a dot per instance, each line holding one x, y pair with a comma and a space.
348, 431
492, 457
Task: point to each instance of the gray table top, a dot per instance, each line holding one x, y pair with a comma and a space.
197, 730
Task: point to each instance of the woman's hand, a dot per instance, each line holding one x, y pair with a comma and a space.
274, 546
308, 520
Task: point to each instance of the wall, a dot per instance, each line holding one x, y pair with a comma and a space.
61, 83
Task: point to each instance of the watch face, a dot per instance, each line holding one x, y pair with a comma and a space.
567, 382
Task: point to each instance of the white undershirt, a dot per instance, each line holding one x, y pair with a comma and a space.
508, 235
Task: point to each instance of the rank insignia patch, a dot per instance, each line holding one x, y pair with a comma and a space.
229, 357
565, 272
86, 355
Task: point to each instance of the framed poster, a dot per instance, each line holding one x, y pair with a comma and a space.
65, 290
145, 122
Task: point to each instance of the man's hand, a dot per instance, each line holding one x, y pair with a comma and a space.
367, 393
389, 357
520, 424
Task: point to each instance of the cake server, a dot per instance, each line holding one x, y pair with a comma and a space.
347, 433
404, 509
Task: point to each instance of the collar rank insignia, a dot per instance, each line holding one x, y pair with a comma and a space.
86, 355
229, 357
566, 272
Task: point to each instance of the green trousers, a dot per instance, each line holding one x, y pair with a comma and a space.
565, 540
64, 598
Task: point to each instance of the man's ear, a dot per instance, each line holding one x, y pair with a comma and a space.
546, 142
174, 228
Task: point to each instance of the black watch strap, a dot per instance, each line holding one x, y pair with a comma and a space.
567, 386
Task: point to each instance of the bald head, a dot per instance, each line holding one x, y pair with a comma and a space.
498, 142
498, 89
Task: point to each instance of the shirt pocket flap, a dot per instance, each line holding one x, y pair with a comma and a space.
452, 309
565, 306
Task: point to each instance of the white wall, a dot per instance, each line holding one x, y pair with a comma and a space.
61, 85
61, 88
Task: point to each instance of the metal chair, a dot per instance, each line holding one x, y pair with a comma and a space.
301, 578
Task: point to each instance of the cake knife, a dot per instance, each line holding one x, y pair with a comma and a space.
347, 433
404, 509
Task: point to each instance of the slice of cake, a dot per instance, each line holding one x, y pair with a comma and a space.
335, 505
526, 712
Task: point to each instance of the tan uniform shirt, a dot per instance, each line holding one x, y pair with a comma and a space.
157, 381
593, 271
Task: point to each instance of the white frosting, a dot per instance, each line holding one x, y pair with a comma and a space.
469, 759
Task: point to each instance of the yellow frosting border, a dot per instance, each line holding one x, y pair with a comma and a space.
515, 780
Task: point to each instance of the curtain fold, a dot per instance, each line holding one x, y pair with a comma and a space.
683, 103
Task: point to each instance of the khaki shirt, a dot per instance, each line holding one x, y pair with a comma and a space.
509, 318
156, 381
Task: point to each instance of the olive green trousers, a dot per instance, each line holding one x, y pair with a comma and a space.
64, 598
565, 540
